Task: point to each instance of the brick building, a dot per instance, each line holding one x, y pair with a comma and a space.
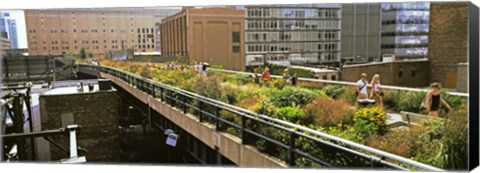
413, 73
448, 41
97, 115
214, 35
61, 31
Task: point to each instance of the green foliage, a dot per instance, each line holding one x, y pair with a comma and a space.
370, 121
291, 114
327, 112
455, 102
208, 87
334, 91
217, 66
83, 53
391, 98
277, 83
293, 96
278, 70
241, 78
455, 140
411, 101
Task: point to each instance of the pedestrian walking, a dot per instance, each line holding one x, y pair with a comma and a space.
266, 76
433, 99
361, 87
294, 79
376, 93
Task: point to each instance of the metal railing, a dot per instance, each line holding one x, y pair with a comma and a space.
257, 129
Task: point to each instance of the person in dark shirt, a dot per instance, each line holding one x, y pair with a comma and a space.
294, 79
433, 100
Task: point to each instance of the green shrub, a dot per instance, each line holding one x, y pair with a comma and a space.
391, 98
278, 70
370, 121
455, 140
397, 141
410, 101
291, 114
455, 102
293, 96
208, 87
229, 94
241, 78
349, 95
334, 91
328, 112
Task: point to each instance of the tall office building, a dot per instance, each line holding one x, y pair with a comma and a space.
10, 26
212, 35
405, 29
62, 31
361, 32
292, 34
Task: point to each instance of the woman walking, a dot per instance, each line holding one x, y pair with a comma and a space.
376, 93
433, 100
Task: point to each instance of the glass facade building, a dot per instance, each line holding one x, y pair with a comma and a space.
405, 29
361, 32
10, 27
298, 34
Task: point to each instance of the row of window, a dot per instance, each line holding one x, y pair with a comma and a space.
292, 36
292, 13
145, 29
292, 24
92, 30
292, 47
410, 21
309, 57
148, 46
392, 46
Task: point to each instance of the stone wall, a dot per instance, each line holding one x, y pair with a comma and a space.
448, 41
462, 77
398, 73
95, 112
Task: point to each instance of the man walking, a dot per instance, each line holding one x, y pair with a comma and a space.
361, 87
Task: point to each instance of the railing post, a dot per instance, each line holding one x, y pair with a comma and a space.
217, 121
162, 98
291, 152
244, 134
184, 104
200, 117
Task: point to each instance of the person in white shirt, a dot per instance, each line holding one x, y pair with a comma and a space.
361, 87
376, 93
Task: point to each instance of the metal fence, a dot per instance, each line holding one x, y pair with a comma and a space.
298, 146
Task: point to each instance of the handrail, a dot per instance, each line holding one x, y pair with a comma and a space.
347, 83
244, 112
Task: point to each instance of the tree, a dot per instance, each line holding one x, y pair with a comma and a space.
83, 53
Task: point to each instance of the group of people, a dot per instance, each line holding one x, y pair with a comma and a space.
431, 102
265, 77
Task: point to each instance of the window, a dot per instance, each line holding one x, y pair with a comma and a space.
400, 74
236, 49
236, 37
334, 77
143, 30
413, 73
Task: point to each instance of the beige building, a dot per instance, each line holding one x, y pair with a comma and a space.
62, 31
213, 35
5, 44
